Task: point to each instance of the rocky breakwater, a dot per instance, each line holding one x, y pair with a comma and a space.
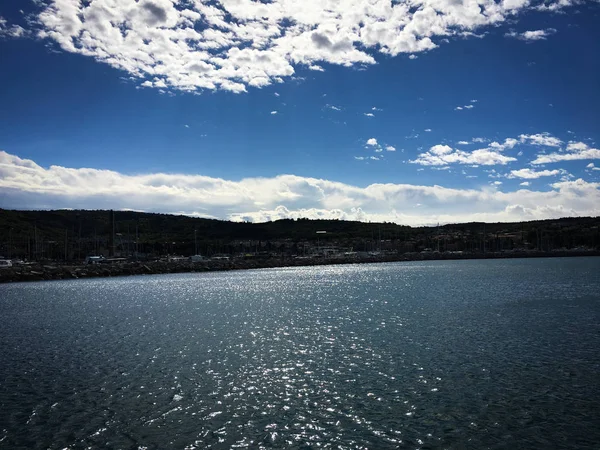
46, 272
39, 272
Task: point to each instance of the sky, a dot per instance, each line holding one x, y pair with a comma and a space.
415, 112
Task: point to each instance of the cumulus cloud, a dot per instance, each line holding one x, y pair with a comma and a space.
24, 182
369, 114
542, 139
532, 174
507, 144
574, 151
11, 31
335, 108
366, 158
390, 148
233, 45
525, 183
372, 142
530, 36
273, 113
442, 155
555, 5
592, 167
467, 106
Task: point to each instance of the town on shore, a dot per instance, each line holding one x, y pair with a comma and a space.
46, 245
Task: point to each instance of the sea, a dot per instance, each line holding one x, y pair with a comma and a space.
479, 354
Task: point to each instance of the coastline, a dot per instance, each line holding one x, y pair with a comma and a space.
48, 272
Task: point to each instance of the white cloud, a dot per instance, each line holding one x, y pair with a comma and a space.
496, 183
592, 167
463, 143
23, 182
367, 158
369, 114
555, 5
575, 151
413, 57
532, 174
390, 148
530, 36
541, 139
524, 183
474, 101
577, 146
508, 143
441, 155
186, 125
439, 150
316, 68
427, 130
233, 45
276, 94
479, 140
372, 141
467, 106
11, 31
335, 108
273, 112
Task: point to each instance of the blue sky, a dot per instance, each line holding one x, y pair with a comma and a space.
413, 112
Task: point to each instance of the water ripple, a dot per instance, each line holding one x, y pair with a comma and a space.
467, 354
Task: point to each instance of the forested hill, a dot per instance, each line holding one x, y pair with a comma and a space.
76, 233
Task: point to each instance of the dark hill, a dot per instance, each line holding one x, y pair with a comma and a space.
77, 233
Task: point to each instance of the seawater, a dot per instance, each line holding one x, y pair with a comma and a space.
448, 354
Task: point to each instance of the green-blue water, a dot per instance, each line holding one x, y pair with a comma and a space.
459, 354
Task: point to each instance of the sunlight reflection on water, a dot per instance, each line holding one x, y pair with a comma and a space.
471, 354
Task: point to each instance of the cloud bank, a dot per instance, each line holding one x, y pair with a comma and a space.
24, 182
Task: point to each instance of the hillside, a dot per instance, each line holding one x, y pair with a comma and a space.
73, 234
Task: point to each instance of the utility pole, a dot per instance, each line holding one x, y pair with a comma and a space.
112, 235
79, 239
484, 237
136, 241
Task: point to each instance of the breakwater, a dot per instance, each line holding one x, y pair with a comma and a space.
54, 271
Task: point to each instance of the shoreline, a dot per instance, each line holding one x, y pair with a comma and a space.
48, 272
